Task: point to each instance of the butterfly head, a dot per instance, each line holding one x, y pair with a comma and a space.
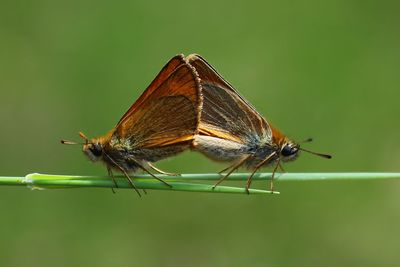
92, 148
285, 148
289, 150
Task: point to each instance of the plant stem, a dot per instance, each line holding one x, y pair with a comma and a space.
46, 181
309, 176
181, 183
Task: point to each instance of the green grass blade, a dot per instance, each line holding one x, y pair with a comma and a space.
46, 181
183, 182
309, 176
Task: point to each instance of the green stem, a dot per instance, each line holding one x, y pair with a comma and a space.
309, 176
181, 183
46, 181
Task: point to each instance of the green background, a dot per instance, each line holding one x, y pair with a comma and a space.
325, 69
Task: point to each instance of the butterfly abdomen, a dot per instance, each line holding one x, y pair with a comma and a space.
218, 149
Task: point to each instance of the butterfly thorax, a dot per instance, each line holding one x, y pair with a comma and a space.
114, 154
278, 138
267, 151
122, 153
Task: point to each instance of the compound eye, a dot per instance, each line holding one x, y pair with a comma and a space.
96, 149
289, 150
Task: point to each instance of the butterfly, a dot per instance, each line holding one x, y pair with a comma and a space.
161, 123
231, 130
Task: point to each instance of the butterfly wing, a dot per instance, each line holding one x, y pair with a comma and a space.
166, 71
166, 113
225, 113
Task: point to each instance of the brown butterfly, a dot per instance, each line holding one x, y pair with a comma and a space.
231, 129
160, 124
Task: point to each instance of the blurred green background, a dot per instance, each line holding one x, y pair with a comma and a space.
325, 69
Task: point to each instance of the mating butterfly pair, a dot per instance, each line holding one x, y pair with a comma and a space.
190, 106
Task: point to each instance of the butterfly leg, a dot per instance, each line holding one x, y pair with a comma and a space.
271, 185
281, 167
259, 165
110, 173
224, 170
233, 168
161, 171
125, 173
155, 177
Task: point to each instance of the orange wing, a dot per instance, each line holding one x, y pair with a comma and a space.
166, 71
167, 112
226, 114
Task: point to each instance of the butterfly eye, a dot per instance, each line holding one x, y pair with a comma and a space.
96, 149
289, 150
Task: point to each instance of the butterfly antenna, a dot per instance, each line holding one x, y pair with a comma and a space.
66, 142
317, 154
308, 140
82, 135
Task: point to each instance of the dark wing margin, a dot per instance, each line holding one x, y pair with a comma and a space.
226, 114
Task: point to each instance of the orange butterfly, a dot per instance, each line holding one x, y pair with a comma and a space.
231, 129
160, 124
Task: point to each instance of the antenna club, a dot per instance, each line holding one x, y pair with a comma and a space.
317, 154
66, 142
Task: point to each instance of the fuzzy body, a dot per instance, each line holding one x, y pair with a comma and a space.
231, 151
120, 153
